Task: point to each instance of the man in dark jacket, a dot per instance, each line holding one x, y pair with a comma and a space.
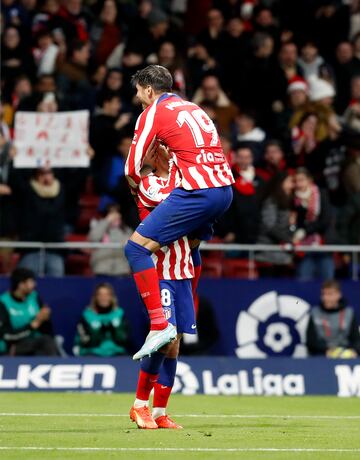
25, 328
333, 329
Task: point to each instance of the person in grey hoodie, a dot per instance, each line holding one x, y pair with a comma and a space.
110, 229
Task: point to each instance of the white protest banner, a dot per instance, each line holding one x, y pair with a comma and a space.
56, 140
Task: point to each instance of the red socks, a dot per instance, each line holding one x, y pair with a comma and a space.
145, 384
161, 395
147, 282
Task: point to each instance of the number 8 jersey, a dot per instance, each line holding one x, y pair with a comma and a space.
191, 136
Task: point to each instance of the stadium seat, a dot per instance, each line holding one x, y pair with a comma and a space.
211, 268
239, 268
8, 261
78, 264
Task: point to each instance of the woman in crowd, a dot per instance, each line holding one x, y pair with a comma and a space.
102, 330
276, 219
312, 225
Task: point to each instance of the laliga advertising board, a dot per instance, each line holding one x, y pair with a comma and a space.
51, 139
210, 376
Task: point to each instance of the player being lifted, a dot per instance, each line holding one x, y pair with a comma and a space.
203, 195
176, 271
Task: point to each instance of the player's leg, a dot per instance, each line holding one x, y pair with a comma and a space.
163, 387
151, 366
179, 215
183, 315
147, 282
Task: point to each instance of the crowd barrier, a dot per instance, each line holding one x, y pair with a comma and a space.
256, 318
210, 376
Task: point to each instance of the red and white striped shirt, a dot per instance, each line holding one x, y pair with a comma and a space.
173, 262
192, 137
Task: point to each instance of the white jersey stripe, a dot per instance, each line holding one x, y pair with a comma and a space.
155, 259
178, 253
211, 175
187, 258
198, 177
139, 149
166, 263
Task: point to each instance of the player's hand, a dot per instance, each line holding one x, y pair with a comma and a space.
151, 153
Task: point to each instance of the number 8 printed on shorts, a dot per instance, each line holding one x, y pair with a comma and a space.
165, 297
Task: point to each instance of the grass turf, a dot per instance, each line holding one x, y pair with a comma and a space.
288, 431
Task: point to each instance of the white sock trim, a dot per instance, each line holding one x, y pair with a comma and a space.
158, 412
141, 403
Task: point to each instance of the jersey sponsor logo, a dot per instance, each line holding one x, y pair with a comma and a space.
273, 325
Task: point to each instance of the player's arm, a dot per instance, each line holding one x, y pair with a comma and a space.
143, 143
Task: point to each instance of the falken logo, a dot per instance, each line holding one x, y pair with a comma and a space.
186, 381
273, 325
60, 376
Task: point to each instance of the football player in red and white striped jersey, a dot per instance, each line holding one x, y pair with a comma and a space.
176, 272
203, 195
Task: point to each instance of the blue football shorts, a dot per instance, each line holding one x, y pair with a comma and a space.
178, 305
186, 213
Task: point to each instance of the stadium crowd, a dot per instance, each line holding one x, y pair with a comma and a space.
280, 79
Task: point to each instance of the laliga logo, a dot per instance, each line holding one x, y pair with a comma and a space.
186, 381
273, 325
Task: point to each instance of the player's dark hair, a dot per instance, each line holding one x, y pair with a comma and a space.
156, 76
331, 284
19, 275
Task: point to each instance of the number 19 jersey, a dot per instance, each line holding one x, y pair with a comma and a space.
192, 137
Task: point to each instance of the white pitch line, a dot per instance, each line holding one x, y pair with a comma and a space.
177, 449
240, 416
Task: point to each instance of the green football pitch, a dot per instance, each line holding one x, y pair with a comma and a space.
96, 426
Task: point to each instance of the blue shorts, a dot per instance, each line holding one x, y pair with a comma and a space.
178, 304
186, 213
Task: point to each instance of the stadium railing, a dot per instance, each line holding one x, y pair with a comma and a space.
250, 249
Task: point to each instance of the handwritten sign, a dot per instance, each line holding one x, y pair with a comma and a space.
51, 139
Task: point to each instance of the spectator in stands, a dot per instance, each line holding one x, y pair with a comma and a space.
207, 329
102, 330
352, 113
108, 126
240, 223
313, 225
15, 57
298, 98
42, 218
212, 37
110, 229
168, 57
106, 32
349, 220
273, 162
333, 329
247, 131
7, 152
25, 326
45, 53
310, 62
211, 91
276, 219
342, 66
351, 172
73, 81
